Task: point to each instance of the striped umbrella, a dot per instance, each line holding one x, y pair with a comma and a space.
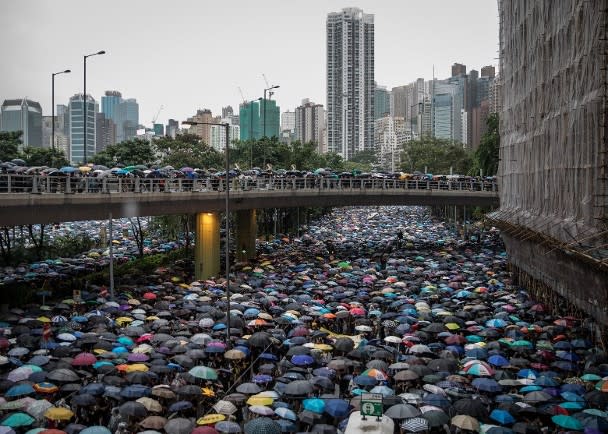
415, 424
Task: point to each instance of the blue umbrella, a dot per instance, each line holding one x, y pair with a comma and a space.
502, 416
180, 406
286, 425
19, 390
545, 381
365, 380
135, 391
487, 385
337, 407
95, 389
302, 360
15, 420
498, 360
68, 169
570, 396
262, 378
96, 429
315, 405
285, 413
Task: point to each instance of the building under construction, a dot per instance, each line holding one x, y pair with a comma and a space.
554, 151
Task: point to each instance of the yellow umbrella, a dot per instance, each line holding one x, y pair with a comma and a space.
43, 319
210, 419
133, 302
99, 351
452, 326
84, 168
260, 400
59, 413
207, 392
323, 347
123, 319
152, 318
137, 367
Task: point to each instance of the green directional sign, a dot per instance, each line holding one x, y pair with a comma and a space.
371, 404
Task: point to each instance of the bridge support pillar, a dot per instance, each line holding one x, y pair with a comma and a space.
207, 245
246, 232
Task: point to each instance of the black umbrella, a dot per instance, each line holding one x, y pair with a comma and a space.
298, 388
132, 409
470, 407
259, 339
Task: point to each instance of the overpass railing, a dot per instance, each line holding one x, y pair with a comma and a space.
36, 184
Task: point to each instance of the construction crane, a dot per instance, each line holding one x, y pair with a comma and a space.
268, 86
242, 96
157, 114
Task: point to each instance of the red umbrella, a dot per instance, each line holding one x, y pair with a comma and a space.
150, 296
204, 430
84, 359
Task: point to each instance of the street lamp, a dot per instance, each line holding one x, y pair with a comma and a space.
67, 71
84, 100
226, 125
265, 90
252, 138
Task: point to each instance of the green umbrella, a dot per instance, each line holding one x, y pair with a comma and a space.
203, 372
567, 422
15, 420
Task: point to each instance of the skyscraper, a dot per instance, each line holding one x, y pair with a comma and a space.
459, 69
23, 115
382, 101
249, 120
172, 128
270, 114
310, 123
202, 130
77, 140
106, 132
126, 118
350, 82
109, 102
288, 121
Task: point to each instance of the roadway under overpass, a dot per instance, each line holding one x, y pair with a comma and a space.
20, 208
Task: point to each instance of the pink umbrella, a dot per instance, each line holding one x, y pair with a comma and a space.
84, 359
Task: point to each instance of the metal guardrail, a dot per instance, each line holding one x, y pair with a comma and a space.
36, 184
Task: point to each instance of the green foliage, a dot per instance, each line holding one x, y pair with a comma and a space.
365, 157
437, 155
188, 150
487, 155
44, 157
9, 145
130, 152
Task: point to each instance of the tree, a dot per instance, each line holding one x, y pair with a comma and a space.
436, 155
188, 150
139, 233
9, 145
129, 152
44, 157
487, 155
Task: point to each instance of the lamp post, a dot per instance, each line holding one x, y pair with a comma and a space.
67, 71
226, 125
265, 90
84, 100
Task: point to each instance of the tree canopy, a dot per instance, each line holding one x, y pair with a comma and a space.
130, 152
436, 155
9, 145
44, 157
487, 155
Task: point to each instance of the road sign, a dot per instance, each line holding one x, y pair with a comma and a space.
371, 404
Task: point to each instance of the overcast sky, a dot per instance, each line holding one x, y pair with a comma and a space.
190, 54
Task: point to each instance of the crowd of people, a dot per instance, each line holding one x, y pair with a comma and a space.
384, 301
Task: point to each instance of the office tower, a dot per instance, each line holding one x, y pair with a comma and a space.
399, 101
109, 102
443, 110
350, 82
459, 69
172, 128
23, 115
249, 120
47, 131
488, 71
106, 132
288, 121
218, 133
126, 118
310, 123
77, 139
227, 112
203, 131
382, 101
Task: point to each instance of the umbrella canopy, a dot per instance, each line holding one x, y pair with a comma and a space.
262, 425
